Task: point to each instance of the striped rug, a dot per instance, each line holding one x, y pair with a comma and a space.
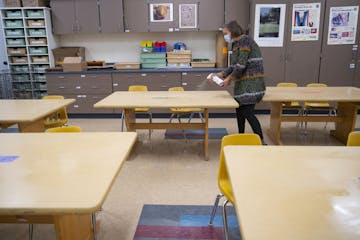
179, 222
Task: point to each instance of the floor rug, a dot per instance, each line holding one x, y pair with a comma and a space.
180, 222
214, 133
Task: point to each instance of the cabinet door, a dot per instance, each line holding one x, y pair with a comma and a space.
162, 81
96, 84
211, 15
87, 16
63, 16
84, 104
237, 10
136, 16
111, 16
159, 9
338, 61
274, 57
299, 66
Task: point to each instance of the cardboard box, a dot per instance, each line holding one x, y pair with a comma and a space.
36, 23
35, 3
12, 3
62, 52
74, 64
127, 65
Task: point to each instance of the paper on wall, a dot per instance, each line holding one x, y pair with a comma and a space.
305, 22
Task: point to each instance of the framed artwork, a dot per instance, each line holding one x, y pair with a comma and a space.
269, 24
188, 15
305, 22
161, 12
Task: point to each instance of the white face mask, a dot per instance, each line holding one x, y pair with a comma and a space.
227, 38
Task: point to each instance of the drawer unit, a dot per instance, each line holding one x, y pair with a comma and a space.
19, 59
85, 103
15, 41
35, 13
14, 23
79, 84
20, 69
38, 50
20, 77
37, 32
37, 41
14, 32
16, 51
13, 14
40, 59
35, 23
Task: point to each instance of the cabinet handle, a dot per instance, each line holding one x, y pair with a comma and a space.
115, 84
94, 87
198, 75
143, 74
184, 84
84, 96
78, 87
93, 76
184, 74
61, 87
61, 77
76, 106
164, 86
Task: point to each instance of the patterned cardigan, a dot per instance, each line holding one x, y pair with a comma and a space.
246, 71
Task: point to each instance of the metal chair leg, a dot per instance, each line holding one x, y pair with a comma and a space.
122, 120
93, 219
225, 222
31, 230
171, 117
213, 211
150, 120
201, 117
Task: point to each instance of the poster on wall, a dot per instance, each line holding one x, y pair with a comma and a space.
269, 24
161, 12
343, 25
305, 22
188, 15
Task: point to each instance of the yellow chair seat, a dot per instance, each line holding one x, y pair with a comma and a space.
226, 190
310, 105
353, 139
58, 118
291, 105
66, 129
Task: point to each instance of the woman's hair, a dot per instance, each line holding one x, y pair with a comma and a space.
235, 29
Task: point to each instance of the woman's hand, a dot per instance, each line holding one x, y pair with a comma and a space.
226, 82
209, 77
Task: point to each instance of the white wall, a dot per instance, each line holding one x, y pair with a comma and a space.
125, 47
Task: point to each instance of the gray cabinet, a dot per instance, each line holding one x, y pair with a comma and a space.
237, 10
338, 61
211, 15
111, 16
70, 16
86, 88
63, 16
136, 16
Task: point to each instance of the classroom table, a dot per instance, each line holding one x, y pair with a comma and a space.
347, 99
168, 99
296, 192
59, 178
29, 114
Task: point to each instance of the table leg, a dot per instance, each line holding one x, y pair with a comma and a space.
130, 119
73, 227
274, 131
206, 135
36, 126
348, 113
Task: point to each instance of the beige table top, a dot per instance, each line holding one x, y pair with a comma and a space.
166, 99
297, 193
337, 94
60, 173
29, 110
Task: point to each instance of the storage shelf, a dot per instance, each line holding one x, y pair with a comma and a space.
40, 63
14, 36
18, 64
13, 28
15, 46
37, 27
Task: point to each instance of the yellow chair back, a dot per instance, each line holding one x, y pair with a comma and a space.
58, 118
353, 139
223, 176
65, 129
174, 89
138, 88
286, 84
293, 104
316, 104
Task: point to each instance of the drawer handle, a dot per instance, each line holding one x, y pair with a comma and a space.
143, 74
164, 86
82, 75
61, 87
61, 77
78, 87
94, 87
184, 84
115, 84
76, 106
184, 74
197, 75
93, 76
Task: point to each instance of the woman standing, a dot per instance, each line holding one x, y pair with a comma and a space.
247, 73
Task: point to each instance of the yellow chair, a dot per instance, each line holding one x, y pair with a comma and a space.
353, 139
291, 105
70, 129
182, 111
137, 88
67, 129
223, 177
320, 106
56, 119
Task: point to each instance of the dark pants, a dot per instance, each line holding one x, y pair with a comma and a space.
248, 112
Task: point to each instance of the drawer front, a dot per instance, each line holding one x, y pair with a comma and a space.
63, 83
96, 84
84, 104
163, 81
122, 81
